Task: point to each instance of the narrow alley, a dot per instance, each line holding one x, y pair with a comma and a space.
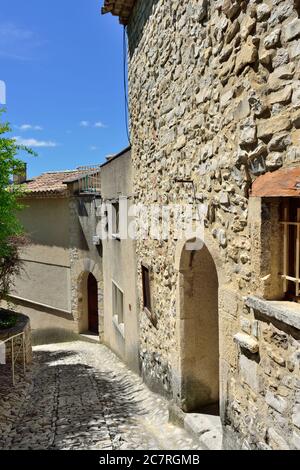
82, 397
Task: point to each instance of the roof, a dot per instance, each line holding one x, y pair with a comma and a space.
51, 183
120, 8
281, 183
120, 154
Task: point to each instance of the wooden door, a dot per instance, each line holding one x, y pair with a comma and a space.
93, 304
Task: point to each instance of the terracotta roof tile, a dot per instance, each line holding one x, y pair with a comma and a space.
51, 182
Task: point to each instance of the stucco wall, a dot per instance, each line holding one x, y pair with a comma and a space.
43, 290
49, 289
119, 265
214, 93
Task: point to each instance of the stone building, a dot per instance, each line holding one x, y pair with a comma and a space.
121, 332
214, 91
60, 287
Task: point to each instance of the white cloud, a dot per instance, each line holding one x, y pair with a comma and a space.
11, 31
34, 142
17, 42
100, 125
93, 148
29, 127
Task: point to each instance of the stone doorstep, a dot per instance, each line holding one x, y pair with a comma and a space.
207, 429
89, 337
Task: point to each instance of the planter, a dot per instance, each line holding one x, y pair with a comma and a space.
22, 325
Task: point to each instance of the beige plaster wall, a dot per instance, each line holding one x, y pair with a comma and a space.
119, 265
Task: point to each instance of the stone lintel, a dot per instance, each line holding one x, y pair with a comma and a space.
284, 311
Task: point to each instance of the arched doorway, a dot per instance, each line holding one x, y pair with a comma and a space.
92, 291
199, 331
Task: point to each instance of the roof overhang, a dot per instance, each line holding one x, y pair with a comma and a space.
281, 183
120, 8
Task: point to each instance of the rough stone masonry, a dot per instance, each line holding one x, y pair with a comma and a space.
215, 99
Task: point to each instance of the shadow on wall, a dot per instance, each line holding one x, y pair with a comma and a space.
135, 30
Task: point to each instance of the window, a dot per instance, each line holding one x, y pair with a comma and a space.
290, 220
118, 303
116, 219
146, 288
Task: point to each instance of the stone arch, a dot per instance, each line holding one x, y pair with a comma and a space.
196, 375
81, 272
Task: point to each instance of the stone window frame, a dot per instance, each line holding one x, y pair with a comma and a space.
148, 309
115, 208
118, 318
289, 251
267, 247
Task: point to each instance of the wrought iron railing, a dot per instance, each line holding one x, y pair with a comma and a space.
15, 351
90, 182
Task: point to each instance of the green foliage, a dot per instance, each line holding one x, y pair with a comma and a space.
11, 232
9, 194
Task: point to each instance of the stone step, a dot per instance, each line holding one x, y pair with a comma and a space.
206, 428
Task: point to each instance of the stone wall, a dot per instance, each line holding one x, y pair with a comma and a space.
215, 99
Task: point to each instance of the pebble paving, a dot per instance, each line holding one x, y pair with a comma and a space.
80, 396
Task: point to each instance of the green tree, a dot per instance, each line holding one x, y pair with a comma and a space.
11, 232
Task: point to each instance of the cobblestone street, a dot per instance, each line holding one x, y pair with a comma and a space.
83, 397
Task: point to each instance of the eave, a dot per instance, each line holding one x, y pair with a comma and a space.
284, 182
120, 8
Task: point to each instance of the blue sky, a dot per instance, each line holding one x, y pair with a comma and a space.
62, 63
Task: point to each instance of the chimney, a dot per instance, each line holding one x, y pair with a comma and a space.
21, 176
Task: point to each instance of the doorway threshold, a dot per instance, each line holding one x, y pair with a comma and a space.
90, 337
205, 426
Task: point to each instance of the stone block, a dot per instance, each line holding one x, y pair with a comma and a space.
226, 98
281, 58
296, 94
274, 161
296, 416
230, 8
247, 55
272, 39
246, 342
268, 127
263, 12
281, 96
249, 373
291, 30
296, 440
277, 403
242, 110
294, 49
248, 132
277, 442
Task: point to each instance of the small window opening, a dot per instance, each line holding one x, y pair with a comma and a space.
118, 303
116, 219
146, 288
290, 220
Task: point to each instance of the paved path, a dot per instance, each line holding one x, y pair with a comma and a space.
83, 397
